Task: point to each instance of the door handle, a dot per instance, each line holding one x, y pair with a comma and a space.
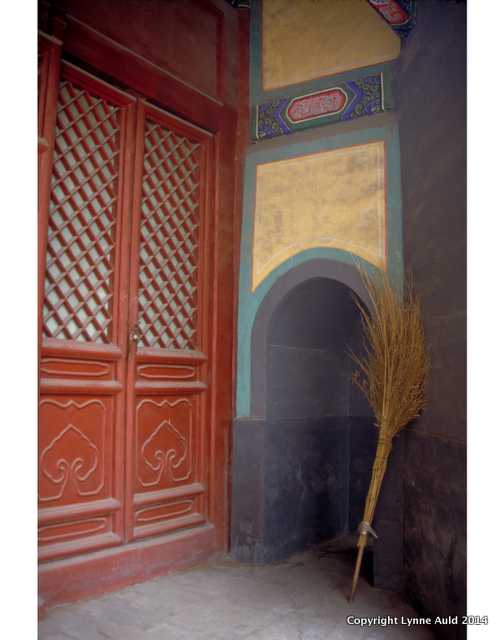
135, 334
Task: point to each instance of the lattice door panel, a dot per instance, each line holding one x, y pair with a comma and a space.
169, 302
82, 217
169, 239
83, 352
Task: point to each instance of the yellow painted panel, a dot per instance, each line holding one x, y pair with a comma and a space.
329, 199
307, 39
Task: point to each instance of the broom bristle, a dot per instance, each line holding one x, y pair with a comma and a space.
392, 375
394, 365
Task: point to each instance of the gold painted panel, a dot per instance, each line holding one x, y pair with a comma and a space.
307, 39
332, 199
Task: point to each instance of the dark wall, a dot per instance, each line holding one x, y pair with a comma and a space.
307, 408
309, 368
430, 89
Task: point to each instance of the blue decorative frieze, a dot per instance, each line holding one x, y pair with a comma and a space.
347, 100
399, 14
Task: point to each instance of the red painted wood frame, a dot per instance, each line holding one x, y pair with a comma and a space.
48, 79
202, 375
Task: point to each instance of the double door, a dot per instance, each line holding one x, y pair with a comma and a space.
126, 324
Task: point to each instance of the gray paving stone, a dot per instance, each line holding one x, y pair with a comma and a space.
302, 599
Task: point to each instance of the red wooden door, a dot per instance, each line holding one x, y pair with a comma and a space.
167, 364
82, 366
124, 366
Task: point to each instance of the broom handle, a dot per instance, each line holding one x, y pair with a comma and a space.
379, 467
357, 571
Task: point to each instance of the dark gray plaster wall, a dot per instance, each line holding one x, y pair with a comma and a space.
435, 527
306, 484
315, 269
247, 495
309, 368
290, 486
430, 93
307, 408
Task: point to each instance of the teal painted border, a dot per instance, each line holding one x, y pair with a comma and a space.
255, 52
258, 96
249, 302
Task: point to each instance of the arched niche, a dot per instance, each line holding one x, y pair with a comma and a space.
302, 462
340, 272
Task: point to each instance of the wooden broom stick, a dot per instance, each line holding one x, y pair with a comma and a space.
379, 468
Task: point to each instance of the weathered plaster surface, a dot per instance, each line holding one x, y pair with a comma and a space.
433, 163
303, 40
333, 199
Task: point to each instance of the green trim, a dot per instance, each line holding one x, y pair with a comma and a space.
249, 301
395, 263
387, 93
255, 52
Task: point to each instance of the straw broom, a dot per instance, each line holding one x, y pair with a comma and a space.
392, 376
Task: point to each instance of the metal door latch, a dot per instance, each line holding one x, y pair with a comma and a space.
135, 334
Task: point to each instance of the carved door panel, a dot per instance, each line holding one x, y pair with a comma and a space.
82, 365
167, 364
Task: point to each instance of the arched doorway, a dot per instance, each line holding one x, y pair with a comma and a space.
302, 463
312, 408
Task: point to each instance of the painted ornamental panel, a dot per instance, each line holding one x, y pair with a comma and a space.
399, 14
345, 101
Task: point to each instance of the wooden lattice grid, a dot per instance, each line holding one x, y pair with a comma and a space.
169, 239
82, 218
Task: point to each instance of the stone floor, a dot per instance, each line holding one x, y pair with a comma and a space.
301, 599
